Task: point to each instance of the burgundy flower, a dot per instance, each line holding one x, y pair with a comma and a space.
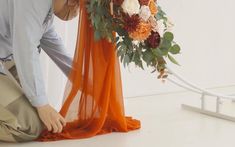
144, 2
131, 22
118, 2
153, 40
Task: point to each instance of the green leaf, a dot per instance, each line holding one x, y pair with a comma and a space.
157, 52
164, 52
175, 49
121, 31
154, 70
135, 57
172, 59
168, 36
97, 35
119, 44
166, 44
122, 57
100, 10
126, 60
148, 56
97, 21
119, 53
117, 39
140, 64
161, 14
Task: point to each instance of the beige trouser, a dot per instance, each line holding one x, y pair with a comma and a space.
19, 120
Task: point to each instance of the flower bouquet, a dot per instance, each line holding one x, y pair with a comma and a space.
142, 29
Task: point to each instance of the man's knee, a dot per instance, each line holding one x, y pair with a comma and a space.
28, 119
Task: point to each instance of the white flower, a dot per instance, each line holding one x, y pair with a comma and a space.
135, 42
145, 12
154, 24
161, 27
131, 6
169, 24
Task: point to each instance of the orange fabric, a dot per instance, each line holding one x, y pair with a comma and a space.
93, 96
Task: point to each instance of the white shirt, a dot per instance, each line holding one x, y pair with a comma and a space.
26, 25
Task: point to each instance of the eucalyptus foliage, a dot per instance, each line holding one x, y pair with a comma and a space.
128, 50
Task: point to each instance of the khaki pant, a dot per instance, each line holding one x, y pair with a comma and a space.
19, 120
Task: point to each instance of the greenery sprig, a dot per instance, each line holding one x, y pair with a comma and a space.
130, 50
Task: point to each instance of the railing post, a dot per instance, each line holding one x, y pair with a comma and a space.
218, 104
203, 101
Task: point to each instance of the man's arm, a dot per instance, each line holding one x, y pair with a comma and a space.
54, 47
27, 32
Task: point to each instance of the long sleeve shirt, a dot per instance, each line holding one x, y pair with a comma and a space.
26, 26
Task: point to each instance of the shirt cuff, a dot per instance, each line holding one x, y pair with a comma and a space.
39, 101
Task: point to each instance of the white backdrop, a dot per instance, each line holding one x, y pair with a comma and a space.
204, 29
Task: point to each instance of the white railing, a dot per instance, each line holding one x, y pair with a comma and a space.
183, 83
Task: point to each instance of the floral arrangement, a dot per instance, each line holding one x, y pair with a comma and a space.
143, 31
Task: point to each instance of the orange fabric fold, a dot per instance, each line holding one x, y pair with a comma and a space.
93, 103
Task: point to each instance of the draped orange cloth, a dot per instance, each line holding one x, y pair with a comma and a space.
93, 102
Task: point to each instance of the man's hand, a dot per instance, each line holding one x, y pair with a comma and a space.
51, 118
67, 10
73, 5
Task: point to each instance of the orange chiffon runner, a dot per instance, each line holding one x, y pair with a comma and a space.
93, 102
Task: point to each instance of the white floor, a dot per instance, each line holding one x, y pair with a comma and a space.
164, 124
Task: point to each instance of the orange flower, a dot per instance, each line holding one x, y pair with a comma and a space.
142, 32
153, 7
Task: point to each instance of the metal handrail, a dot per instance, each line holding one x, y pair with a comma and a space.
193, 87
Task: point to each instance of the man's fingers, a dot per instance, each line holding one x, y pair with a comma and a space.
54, 126
63, 121
59, 126
47, 123
49, 127
52, 120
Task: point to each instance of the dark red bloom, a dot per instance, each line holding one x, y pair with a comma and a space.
153, 40
131, 22
118, 2
144, 2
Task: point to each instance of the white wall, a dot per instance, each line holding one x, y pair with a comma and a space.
204, 29
55, 80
